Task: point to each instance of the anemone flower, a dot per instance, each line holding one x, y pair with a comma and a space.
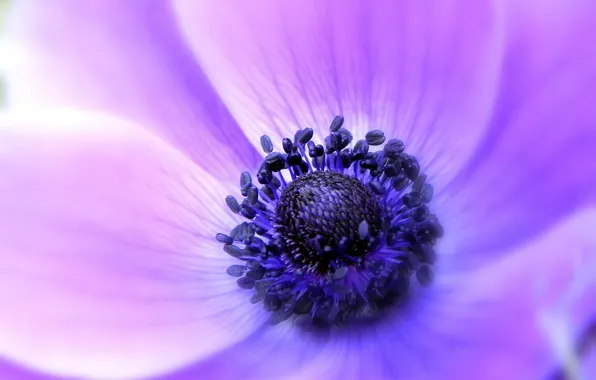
307, 189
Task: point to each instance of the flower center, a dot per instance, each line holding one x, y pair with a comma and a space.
325, 219
335, 234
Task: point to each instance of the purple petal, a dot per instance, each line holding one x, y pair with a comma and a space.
536, 162
12, 371
109, 263
588, 368
129, 59
423, 72
480, 325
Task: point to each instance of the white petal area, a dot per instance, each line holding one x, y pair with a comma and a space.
422, 71
124, 58
573, 341
484, 324
108, 263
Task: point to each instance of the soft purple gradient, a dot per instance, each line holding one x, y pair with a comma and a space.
104, 230
109, 266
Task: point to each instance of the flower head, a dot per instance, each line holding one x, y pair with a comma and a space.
341, 236
433, 230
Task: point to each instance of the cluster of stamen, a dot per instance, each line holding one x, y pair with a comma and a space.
335, 233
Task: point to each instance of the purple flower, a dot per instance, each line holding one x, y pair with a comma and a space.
132, 121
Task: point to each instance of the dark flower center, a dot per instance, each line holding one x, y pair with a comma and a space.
319, 216
335, 233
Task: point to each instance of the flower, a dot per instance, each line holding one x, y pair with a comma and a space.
131, 121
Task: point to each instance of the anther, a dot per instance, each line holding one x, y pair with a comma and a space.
233, 204
305, 136
266, 144
336, 124
375, 137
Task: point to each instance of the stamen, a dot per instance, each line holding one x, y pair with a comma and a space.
342, 240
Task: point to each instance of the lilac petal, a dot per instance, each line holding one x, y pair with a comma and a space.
108, 258
588, 365
536, 162
12, 371
125, 58
422, 71
479, 325
576, 353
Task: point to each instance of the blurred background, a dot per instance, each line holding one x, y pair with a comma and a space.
4, 4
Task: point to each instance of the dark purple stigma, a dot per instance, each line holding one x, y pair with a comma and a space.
334, 233
326, 220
